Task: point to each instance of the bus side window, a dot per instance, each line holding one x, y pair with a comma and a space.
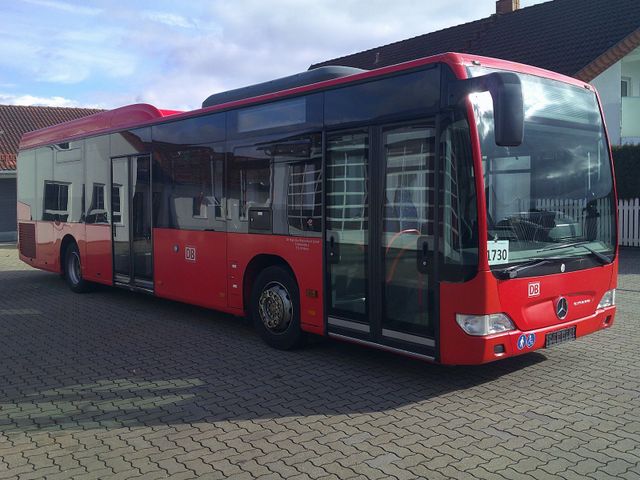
298, 204
249, 180
304, 198
97, 179
56, 202
185, 195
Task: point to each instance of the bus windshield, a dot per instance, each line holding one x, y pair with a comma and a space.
551, 197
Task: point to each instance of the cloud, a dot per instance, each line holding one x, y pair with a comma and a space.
6, 99
238, 44
175, 54
170, 19
65, 7
67, 57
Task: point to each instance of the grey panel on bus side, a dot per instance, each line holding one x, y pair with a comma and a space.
43, 173
285, 83
27, 179
68, 169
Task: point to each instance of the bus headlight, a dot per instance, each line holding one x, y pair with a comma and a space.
608, 299
479, 325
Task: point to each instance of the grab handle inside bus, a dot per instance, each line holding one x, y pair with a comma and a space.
423, 254
333, 250
508, 104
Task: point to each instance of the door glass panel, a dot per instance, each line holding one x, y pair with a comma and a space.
347, 223
120, 216
141, 217
407, 232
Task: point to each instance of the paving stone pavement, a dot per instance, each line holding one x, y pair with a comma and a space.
115, 384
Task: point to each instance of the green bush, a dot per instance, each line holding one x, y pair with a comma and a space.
626, 160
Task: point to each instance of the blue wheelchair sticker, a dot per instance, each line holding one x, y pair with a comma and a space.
522, 341
531, 340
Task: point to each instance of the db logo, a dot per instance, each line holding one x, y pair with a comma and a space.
534, 289
190, 254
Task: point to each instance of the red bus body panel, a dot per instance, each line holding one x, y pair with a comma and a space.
202, 281
98, 266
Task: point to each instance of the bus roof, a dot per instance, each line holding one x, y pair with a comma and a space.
139, 115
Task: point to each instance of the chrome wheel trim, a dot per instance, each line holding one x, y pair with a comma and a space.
275, 307
73, 268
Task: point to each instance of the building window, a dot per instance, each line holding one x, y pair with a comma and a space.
56, 201
625, 87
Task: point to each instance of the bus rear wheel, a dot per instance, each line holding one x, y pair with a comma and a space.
73, 270
275, 308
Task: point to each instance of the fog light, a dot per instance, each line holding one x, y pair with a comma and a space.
608, 299
498, 349
480, 325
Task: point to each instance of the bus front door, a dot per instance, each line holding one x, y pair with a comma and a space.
379, 236
131, 221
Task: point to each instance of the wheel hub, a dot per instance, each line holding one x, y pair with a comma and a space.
275, 307
74, 267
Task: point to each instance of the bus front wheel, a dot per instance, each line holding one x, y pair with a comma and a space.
73, 270
275, 308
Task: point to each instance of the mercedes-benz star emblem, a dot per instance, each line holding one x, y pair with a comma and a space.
562, 308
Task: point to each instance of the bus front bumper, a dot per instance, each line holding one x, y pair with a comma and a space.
479, 350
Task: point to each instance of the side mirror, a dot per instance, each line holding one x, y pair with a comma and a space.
508, 105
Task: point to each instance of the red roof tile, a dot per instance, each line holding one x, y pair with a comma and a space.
7, 161
16, 120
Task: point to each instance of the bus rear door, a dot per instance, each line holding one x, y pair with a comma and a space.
131, 221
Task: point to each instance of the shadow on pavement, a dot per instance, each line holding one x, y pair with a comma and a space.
114, 359
629, 261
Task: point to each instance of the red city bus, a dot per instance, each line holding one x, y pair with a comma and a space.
457, 209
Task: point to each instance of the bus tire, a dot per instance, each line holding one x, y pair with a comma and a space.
275, 308
73, 270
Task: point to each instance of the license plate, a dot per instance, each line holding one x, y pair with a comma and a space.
559, 336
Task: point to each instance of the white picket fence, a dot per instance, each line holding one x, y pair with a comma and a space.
628, 216
629, 222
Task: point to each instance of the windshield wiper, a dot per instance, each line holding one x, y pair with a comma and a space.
603, 258
512, 272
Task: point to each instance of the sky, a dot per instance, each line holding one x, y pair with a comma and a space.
175, 53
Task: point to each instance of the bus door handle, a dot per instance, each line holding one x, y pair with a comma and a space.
333, 248
422, 256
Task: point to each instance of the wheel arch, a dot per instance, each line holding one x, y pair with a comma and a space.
66, 241
254, 267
